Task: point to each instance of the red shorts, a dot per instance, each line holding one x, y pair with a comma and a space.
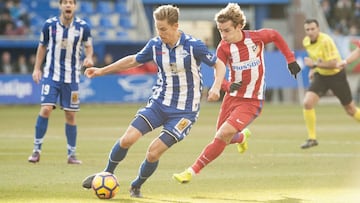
239, 112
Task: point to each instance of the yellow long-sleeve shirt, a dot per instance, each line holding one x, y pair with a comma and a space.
324, 49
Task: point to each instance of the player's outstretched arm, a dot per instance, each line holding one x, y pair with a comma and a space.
351, 58
92, 72
119, 65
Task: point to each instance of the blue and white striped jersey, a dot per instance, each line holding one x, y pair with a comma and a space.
64, 49
179, 81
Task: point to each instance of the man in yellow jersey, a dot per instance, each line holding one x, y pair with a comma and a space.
324, 75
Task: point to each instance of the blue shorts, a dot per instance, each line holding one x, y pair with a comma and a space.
176, 123
66, 93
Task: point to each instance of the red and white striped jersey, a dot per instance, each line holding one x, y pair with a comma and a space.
245, 59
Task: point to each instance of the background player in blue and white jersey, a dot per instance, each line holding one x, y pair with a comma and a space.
175, 101
62, 40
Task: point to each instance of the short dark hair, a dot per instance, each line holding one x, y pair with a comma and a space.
308, 21
60, 1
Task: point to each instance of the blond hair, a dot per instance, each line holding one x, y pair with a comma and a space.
231, 12
167, 12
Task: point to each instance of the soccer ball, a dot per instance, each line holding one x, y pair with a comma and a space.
105, 185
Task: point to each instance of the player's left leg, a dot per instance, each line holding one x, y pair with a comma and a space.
176, 128
178, 122
70, 103
149, 165
341, 88
241, 116
209, 153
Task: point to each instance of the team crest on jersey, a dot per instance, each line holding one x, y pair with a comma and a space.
173, 67
64, 43
255, 48
182, 125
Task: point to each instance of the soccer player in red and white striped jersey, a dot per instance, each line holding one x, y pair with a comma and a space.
243, 52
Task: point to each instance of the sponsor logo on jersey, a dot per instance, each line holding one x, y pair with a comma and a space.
237, 66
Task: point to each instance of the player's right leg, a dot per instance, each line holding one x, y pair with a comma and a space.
116, 155
49, 95
40, 130
136, 129
311, 98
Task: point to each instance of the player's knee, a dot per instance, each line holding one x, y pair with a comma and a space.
127, 141
70, 117
225, 136
152, 156
45, 111
308, 105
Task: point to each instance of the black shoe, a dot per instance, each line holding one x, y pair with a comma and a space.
87, 182
135, 192
309, 143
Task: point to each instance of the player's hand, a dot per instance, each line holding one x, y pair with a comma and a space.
88, 62
235, 86
294, 68
92, 72
36, 75
341, 64
308, 62
214, 94
311, 74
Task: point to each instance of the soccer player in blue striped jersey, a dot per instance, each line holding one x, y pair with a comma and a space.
63, 40
175, 102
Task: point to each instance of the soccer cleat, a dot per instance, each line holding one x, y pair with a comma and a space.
242, 147
87, 182
135, 192
35, 157
73, 160
309, 143
183, 177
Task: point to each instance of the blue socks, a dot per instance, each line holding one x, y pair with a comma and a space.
145, 171
40, 130
71, 133
116, 155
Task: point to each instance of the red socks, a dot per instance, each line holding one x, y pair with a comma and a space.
210, 153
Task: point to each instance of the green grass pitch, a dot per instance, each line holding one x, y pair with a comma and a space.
273, 170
